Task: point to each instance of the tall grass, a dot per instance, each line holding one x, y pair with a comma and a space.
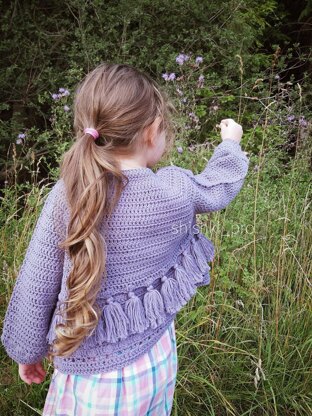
244, 342
17, 221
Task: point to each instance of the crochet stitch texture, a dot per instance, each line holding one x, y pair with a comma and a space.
156, 259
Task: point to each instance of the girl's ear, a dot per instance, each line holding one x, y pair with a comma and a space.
152, 130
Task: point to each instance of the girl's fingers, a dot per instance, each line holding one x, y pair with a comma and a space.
40, 369
226, 121
27, 379
37, 377
34, 379
33, 376
221, 125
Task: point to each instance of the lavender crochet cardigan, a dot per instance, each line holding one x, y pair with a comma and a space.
156, 259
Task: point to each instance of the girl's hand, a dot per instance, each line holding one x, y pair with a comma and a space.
32, 373
230, 130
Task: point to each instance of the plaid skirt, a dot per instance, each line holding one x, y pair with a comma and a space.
143, 388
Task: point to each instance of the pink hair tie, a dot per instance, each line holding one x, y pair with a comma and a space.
91, 131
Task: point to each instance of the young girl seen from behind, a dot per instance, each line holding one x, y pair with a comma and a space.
116, 252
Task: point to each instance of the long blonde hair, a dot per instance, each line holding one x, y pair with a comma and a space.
119, 101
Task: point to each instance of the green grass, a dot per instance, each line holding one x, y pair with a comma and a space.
244, 341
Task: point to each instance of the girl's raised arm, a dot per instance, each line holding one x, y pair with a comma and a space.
220, 181
37, 285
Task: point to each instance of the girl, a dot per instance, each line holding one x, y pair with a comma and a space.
116, 253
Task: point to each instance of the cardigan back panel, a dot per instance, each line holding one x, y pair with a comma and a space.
156, 259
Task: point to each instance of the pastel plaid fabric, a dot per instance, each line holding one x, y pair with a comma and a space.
143, 388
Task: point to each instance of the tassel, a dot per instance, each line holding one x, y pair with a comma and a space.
99, 335
154, 306
57, 319
186, 288
136, 314
116, 321
198, 255
171, 296
191, 267
206, 246
96, 336
51, 334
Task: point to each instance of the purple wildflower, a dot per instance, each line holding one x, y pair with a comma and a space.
179, 149
21, 136
63, 92
303, 122
181, 58
165, 76
66, 108
171, 76
194, 117
291, 118
200, 81
199, 59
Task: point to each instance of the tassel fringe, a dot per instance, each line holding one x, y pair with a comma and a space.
138, 314
198, 255
171, 294
187, 288
99, 333
206, 246
135, 311
57, 319
154, 307
116, 321
191, 267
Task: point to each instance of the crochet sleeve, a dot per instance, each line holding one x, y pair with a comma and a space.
37, 286
220, 181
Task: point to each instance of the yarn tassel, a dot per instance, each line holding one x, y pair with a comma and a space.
57, 319
154, 306
116, 321
171, 294
136, 314
198, 255
191, 267
186, 288
206, 246
99, 334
